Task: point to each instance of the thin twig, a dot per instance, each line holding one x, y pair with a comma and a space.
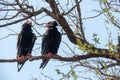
7, 36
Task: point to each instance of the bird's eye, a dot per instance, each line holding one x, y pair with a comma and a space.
48, 22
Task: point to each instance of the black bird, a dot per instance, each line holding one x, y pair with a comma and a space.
25, 43
50, 42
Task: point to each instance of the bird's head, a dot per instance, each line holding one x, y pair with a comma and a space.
27, 24
51, 24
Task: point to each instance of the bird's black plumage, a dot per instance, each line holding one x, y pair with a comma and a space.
25, 43
50, 41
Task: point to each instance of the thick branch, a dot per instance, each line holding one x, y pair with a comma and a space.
54, 7
67, 59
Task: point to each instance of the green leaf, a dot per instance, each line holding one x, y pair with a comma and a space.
86, 62
105, 9
58, 71
94, 34
95, 38
73, 73
112, 18
109, 14
105, 1
96, 71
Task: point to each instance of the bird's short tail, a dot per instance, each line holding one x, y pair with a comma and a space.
44, 63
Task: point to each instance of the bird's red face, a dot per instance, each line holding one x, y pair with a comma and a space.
48, 24
29, 23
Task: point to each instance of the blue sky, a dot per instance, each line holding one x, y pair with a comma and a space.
8, 71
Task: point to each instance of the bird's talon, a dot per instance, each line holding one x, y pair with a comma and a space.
29, 55
49, 54
21, 58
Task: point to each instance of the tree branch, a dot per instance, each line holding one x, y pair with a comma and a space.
14, 22
110, 65
66, 59
7, 36
53, 6
80, 19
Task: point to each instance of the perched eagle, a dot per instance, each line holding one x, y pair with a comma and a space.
50, 42
25, 43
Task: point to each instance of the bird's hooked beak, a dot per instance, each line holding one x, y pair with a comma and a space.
48, 24
29, 23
